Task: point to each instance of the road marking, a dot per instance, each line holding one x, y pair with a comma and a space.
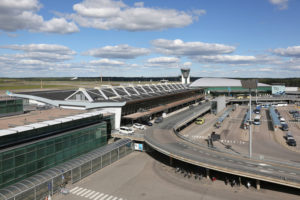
292, 173
115, 198
75, 188
109, 197
94, 195
103, 197
89, 194
85, 193
80, 189
100, 195
79, 193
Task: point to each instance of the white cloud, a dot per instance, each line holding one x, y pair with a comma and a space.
187, 64
54, 48
119, 51
35, 59
163, 60
281, 4
41, 52
110, 14
21, 15
293, 51
179, 48
106, 62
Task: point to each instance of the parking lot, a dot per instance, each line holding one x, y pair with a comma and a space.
235, 139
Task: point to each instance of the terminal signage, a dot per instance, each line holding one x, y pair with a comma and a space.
278, 89
138, 147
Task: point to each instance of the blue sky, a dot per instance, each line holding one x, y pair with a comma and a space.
215, 38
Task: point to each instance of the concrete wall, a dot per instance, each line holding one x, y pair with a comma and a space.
220, 103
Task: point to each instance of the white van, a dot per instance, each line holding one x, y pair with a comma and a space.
256, 120
126, 130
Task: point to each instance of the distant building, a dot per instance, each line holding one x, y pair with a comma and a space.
226, 86
185, 76
10, 106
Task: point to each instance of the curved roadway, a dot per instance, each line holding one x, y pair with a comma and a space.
162, 138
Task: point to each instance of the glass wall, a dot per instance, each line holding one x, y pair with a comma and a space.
11, 106
25, 161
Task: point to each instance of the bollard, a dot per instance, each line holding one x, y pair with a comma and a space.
258, 184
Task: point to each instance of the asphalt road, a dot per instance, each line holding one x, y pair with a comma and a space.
138, 176
162, 138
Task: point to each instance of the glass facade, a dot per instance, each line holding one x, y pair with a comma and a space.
51, 129
22, 162
11, 106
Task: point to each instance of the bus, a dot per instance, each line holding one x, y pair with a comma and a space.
256, 120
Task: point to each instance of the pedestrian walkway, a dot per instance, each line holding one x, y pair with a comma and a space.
93, 195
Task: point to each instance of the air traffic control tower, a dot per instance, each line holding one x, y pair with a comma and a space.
185, 75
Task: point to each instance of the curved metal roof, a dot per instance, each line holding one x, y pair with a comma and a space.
220, 82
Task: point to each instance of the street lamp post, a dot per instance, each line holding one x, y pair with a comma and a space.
250, 84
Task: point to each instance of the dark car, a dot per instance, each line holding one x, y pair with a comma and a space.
293, 111
158, 120
148, 123
284, 127
291, 142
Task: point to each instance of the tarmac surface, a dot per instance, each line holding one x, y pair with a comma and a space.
140, 176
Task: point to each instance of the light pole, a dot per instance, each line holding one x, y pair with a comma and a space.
250, 84
250, 125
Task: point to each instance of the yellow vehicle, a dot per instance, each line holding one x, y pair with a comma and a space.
240, 97
200, 121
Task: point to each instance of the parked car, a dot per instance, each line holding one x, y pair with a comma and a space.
291, 142
148, 123
200, 121
126, 130
139, 126
282, 120
288, 134
284, 127
293, 111
158, 120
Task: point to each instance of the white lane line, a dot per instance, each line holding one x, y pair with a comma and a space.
85, 193
270, 169
100, 195
74, 191
94, 195
89, 194
82, 191
109, 197
75, 188
104, 197
292, 173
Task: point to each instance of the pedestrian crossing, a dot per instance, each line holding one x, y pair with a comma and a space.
93, 195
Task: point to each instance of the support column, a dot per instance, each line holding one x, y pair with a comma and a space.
171, 161
207, 173
258, 184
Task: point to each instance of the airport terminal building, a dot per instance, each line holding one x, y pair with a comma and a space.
36, 141
128, 103
228, 87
